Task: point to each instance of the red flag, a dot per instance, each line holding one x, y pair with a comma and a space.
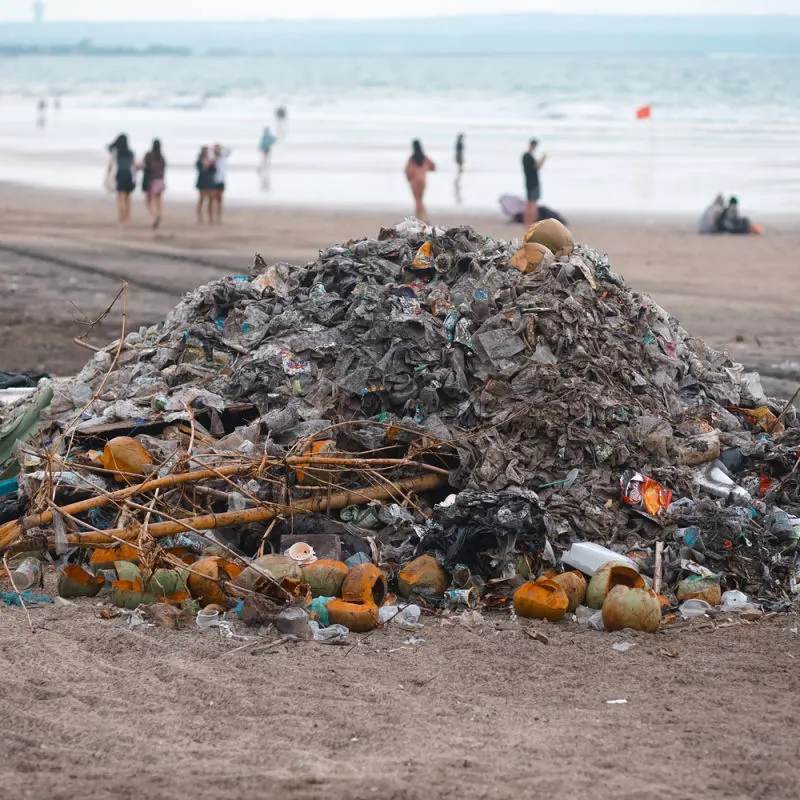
643, 112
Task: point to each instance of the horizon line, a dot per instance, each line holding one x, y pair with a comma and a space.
410, 18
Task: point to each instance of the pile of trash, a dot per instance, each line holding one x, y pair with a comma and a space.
431, 396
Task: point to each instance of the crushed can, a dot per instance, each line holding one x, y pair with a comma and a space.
461, 597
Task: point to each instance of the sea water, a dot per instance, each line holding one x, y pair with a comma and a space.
720, 123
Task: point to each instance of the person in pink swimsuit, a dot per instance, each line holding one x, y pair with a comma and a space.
416, 168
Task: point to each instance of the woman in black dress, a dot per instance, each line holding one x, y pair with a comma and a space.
206, 170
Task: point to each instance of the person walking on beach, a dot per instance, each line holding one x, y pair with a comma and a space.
459, 166
531, 167
265, 146
417, 167
280, 119
121, 176
155, 167
206, 172
221, 155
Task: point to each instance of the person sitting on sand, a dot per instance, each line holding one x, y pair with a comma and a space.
206, 170
121, 176
155, 167
710, 221
417, 166
732, 222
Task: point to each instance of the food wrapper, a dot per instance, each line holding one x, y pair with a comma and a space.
424, 257
760, 416
644, 494
293, 366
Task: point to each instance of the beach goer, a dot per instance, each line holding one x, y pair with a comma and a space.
41, 114
280, 118
121, 176
460, 153
206, 172
265, 146
154, 167
732, 222
711, 218
531, 167
417, 167
221, 156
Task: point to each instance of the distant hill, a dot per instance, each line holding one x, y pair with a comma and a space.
513, 33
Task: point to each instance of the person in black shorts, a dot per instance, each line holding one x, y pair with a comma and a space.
206, 174
122, 165
531, 167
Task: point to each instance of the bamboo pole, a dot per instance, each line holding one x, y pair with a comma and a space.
12, 530
262, 514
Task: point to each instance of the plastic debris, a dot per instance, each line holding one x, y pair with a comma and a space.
690, 609
414, 399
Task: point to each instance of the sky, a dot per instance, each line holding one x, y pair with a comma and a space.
196, 10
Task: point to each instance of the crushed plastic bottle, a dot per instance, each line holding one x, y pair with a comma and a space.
693, 608
332, 634
590, 618
718, 481
407, 615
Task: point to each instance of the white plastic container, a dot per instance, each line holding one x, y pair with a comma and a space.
588, 557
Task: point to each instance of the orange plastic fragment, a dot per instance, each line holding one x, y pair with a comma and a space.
126, 457
541, 599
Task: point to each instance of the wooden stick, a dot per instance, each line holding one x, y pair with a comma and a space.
657, 569
365, 462
86, 345
209, 521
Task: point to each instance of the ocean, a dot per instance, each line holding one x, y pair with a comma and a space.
721, 122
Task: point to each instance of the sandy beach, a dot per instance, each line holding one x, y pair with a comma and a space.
63, 259
481, 713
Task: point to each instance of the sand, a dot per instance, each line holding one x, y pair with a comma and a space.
91, 708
